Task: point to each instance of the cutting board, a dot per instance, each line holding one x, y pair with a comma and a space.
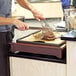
32, 39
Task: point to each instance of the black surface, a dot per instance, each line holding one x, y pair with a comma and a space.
38, 57
69, 36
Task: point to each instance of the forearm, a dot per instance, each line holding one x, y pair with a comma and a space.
6, 21
35, 12
18, 23
26, 4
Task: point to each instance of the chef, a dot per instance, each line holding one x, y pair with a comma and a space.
6, 23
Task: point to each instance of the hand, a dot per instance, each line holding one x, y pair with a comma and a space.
20, 25
38, 15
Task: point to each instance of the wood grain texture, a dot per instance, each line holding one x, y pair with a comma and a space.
38, 37
29, 67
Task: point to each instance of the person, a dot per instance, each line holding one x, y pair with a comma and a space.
65, 4
65, 7
6, 22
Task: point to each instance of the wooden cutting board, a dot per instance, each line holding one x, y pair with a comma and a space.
33, 39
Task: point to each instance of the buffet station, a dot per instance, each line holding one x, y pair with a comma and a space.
45, 41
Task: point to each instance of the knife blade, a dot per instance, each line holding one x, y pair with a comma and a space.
38, 28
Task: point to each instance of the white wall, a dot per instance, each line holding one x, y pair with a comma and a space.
53, 10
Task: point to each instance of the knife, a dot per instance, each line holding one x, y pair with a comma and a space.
35, 28
38, 28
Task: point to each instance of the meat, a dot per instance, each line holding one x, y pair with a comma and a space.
45, 35
48, 35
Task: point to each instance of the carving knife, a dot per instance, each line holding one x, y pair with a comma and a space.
38, 28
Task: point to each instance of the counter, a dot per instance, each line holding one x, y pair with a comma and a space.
71, 55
